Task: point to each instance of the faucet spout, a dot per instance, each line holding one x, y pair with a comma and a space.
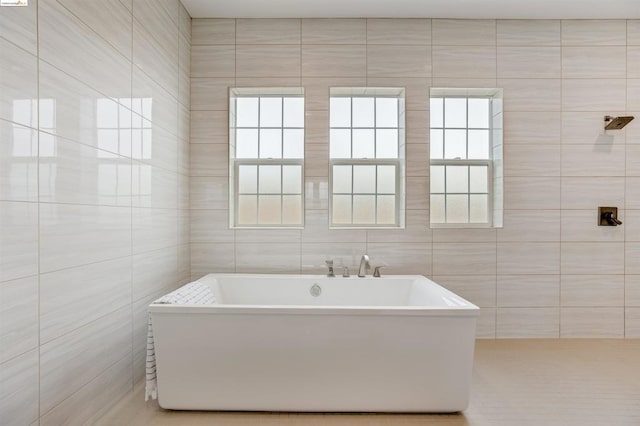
364, 266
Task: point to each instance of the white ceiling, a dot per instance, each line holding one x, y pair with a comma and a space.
499, 9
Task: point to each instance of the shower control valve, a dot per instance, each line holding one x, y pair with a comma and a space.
608, 216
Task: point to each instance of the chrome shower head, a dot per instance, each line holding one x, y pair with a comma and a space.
616, 123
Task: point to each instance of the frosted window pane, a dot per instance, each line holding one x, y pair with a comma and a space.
342, 179
269, 209
364, 208
269, 179
341, 207
292, 209
479, 144
293, 112
247, 143
478, 178
293, 143
248, 179
386, 179
455, 112
437, 179
363, 112
457, 209
455, 144
387, 143
270, 112
478, 209
386, 112
386, 210
291, 179
247, 209
457, 179
340, 112
247, 112
340, 143
363, 143
270, 143
435, 144
436, 108
437, 209
364, 179
479, 113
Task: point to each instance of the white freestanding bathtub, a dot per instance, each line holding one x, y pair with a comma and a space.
272, 343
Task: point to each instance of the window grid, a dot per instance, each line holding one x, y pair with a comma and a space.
334, 161
445, 162
259, 161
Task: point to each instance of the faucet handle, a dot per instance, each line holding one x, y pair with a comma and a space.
376, 271
330, 273
329, 262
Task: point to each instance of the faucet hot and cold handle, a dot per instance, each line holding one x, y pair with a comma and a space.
329, 263
376, 271
612, 219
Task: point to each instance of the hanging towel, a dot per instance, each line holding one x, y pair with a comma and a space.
194, 293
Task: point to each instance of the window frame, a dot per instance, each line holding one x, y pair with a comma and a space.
491, 95
235, 163
399, 162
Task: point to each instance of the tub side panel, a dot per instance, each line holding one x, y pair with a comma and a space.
312, 362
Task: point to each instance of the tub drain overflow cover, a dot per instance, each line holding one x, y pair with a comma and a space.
315, 290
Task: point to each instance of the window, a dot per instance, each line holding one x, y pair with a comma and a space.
366, 150
465, 142
266, 153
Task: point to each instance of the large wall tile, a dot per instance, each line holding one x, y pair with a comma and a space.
18, 240
540, 128
213, 61
463, 32
334, 31
267, 61
486, 324
592, 290
79, 174
530, 225
18, 317
209, 127
526, 94
211, 226
525, 32
19, 26
464, 61
594, 32
528, 291
209, 159
399, 31
592, 258
154, 272
154, 102
80, 52
268, 31
333, 60
593, 160
154, 229
209, 94
207, 258
581, 225
588, 128
594, 62
110, 19
94, 399
212, 31
532, 193
592, 322
71, 298
71, 361
154, 187
529, 62
532, 160
19, 390
18, 162
527, 323
632, 253
316, 230
416, 230
18, 94
154, 59
73, 235
591, 192
593, 94
398, 61
528, 258
632, 323
268, 258
464, 258
209, 192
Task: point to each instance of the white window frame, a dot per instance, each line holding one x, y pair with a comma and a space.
235, 163
399, 163
494, 217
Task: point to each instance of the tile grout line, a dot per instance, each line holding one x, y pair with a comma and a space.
38, 201
561, 180
131, 208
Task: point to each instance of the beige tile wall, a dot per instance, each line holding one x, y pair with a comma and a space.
550, 272
94, 197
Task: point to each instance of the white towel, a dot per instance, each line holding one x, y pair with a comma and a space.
194, 293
